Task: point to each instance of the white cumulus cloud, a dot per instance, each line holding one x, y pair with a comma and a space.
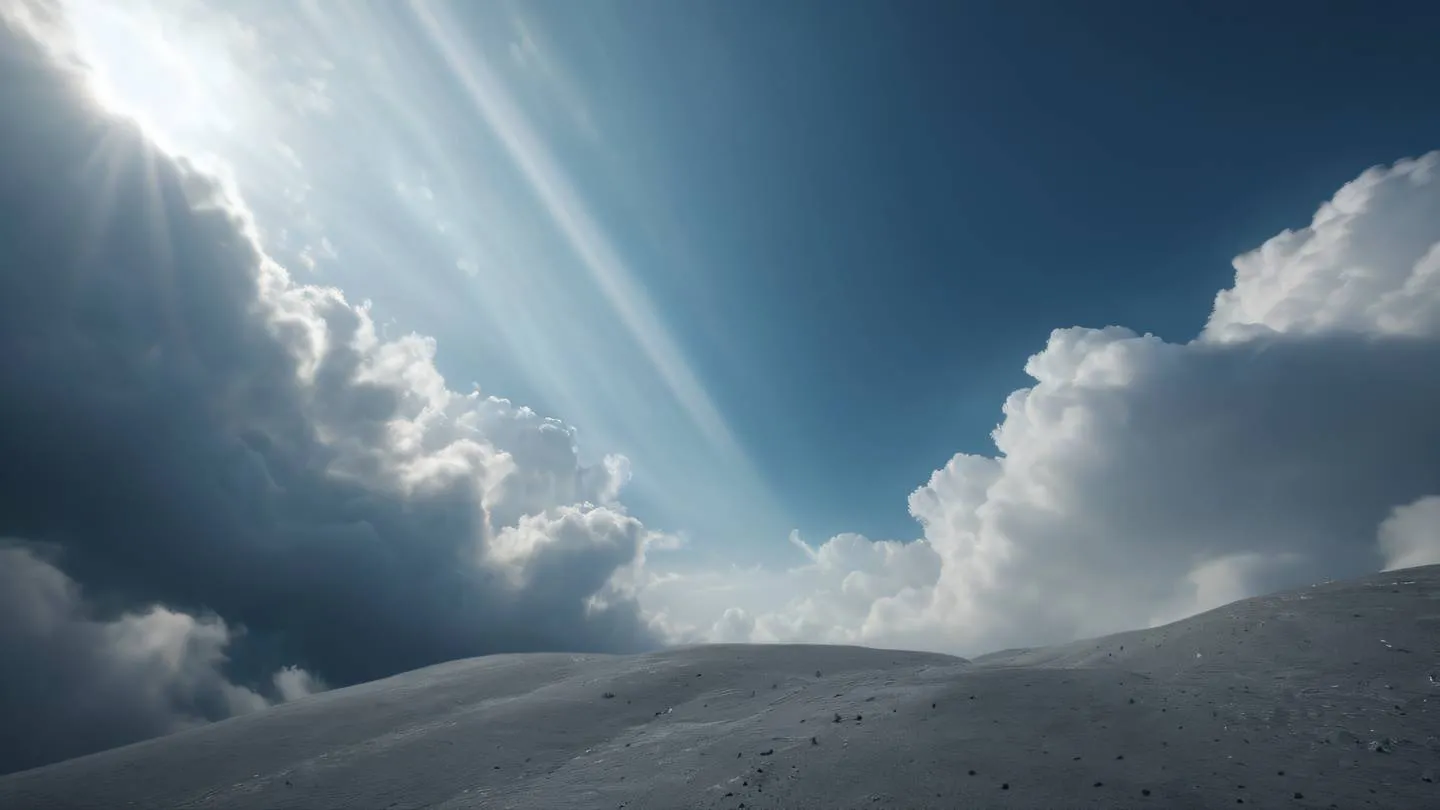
1137, 481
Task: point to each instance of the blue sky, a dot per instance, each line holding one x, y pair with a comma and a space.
847, 225
880, 211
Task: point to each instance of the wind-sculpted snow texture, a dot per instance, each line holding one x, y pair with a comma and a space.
1321, 697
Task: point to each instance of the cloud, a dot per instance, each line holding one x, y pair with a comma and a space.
77, 681
1138, 481
1369, 264
257, 492
1411, 535
293, 683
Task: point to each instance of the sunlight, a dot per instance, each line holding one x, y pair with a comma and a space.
176, 81
570, 214
146, 68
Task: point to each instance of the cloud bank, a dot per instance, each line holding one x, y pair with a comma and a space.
1139, 481
221, 487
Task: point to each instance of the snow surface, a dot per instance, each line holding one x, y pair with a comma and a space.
1320, 697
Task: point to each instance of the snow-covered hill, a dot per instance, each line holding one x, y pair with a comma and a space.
1322, 697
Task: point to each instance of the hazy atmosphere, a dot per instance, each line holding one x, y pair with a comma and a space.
338, 340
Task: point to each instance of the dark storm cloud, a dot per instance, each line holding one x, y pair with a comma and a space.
183, 426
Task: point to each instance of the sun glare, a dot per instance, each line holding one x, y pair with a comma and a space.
144, 68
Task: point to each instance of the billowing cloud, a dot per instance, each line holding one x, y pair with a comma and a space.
1139, 481
256, 493
1368, 264
75, 679
1411, 535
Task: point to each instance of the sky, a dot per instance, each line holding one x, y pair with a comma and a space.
347, 339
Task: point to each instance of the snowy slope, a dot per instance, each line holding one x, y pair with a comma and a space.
1320, 697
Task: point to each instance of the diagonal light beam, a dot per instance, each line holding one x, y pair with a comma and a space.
569, 214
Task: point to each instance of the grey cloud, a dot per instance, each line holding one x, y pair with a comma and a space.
1411, 535
188, 427
74, 680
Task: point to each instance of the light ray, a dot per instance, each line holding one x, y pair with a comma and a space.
569, 214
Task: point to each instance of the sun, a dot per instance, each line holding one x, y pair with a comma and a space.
147, 67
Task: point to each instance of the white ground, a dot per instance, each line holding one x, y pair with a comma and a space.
1270, 702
